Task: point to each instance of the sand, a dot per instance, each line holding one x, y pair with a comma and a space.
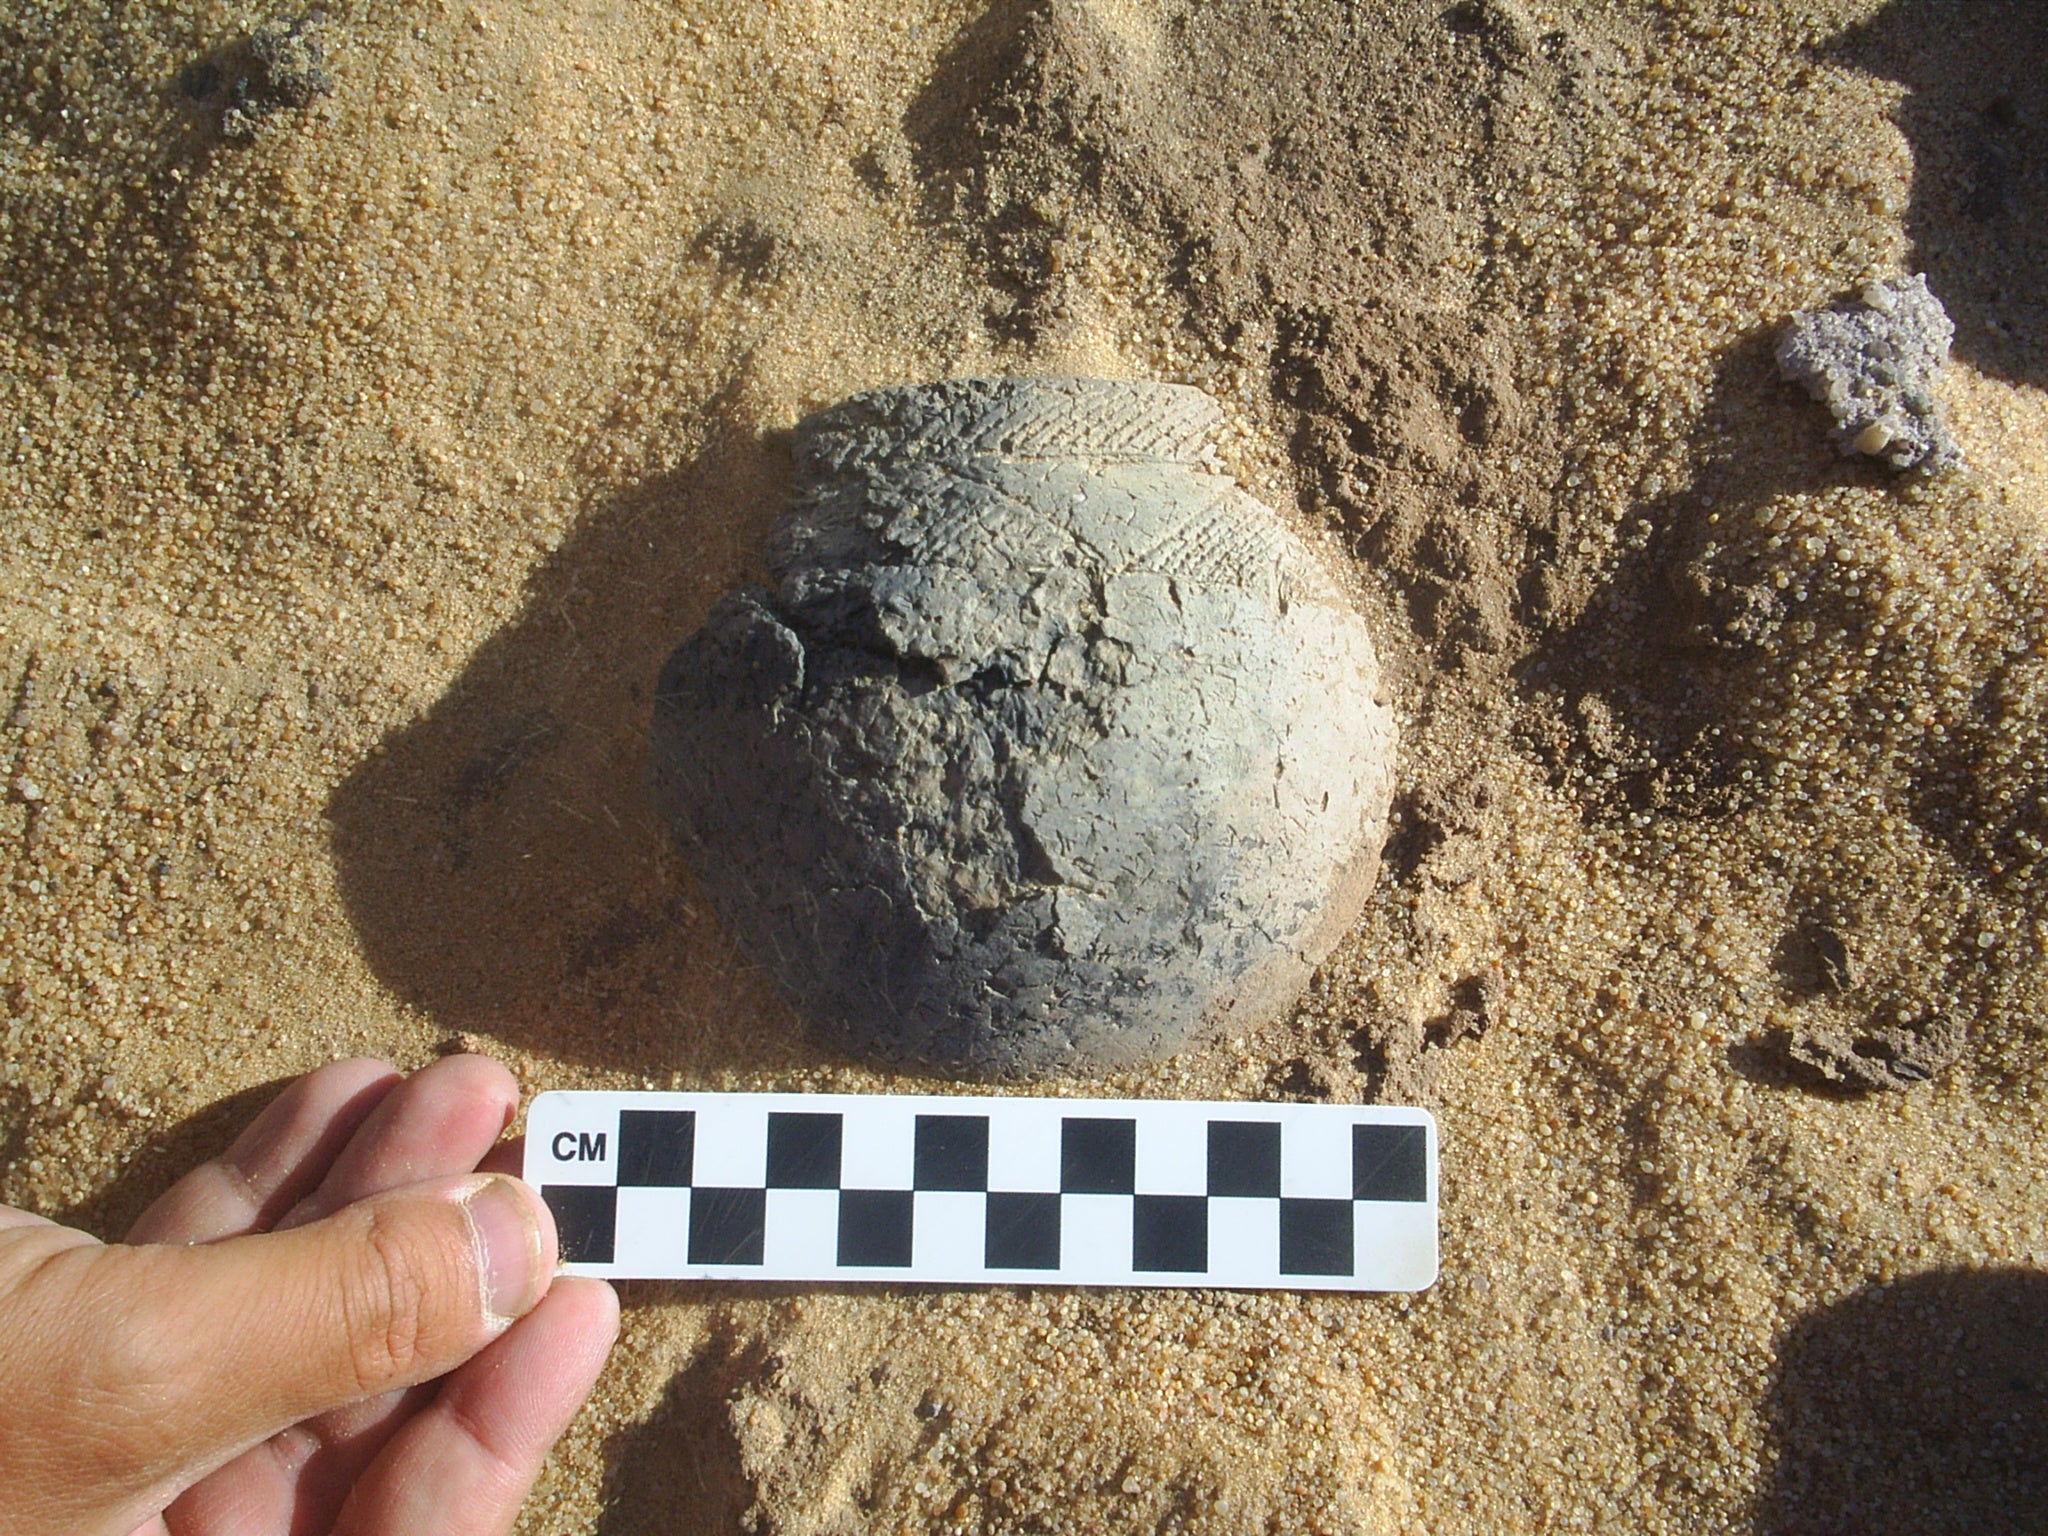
361, 472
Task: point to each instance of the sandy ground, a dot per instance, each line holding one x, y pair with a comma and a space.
359, 474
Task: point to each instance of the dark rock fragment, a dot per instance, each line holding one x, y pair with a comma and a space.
1891, 1056
283, 64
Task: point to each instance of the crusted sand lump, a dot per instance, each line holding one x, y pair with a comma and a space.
1873, 364
1052, 749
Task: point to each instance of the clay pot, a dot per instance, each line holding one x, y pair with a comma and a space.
1052, 750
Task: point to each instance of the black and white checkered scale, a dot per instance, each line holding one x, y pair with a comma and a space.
981, 1190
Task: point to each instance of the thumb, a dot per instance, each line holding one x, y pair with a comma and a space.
385, 1293
218, 1346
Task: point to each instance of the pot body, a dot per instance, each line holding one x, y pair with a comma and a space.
1051, 749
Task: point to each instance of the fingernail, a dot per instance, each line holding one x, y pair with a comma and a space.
508, 1245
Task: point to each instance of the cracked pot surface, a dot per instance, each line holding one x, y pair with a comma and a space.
1052, 749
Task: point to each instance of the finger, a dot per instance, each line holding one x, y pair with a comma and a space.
200, 1352
437, 1122
508, 1156
10, 1217
299, 1480
47, 1455
285, 1152
296, 1480
462, 1467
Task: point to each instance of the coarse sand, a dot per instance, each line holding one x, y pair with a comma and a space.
363, 465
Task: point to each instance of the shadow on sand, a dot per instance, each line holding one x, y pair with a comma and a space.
1914, 1409
498, 857
166, 1157
679, 1472
1976, 114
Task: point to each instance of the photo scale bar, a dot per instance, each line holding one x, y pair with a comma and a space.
980, 1190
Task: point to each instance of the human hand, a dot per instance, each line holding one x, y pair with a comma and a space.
260, 1359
